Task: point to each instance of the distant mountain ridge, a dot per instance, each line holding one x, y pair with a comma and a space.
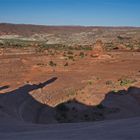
29, 29
71, 35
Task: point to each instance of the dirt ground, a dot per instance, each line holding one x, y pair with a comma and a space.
86, 79
69, 86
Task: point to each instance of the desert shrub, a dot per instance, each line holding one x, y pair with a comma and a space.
66, 64
70, 52
100, 106
125, 81
62, 107
90, 82
71, 57
93, 56
18, 43
109, 82
129, 46
110, 46
86, 116
40, 64
120, 37
64, 54
81, 54
85, 47
52, 64
71, 92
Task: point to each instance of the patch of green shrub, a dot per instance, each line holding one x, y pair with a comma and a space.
81, 54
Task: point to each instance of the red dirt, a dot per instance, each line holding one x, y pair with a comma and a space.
88, 75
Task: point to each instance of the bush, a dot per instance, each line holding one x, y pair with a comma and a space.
66, 64
71, 57
90, 82
52, 64
81, 54
100, 106
70, 52
125, 82
62, 107
109, 82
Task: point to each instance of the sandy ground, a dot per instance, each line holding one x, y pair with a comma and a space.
31, 88
94, 76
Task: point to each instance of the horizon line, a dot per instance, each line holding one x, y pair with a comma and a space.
73, 25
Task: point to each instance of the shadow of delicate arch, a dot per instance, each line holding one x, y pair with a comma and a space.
20, 105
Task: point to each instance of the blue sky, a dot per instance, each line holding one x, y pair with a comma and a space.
71, 12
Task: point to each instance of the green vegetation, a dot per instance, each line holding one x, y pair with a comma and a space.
126, 81
115, 91
64, 47
18, 43
81, 54
40, 45
84, 47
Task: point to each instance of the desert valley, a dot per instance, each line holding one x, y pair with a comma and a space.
57, 80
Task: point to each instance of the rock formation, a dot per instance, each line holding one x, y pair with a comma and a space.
98, 49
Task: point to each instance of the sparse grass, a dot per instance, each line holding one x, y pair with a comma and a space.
63, 47
110, 46
18, 43
115, 91
71, 92
90, 82
126, 81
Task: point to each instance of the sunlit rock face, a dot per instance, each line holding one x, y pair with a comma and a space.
98, 49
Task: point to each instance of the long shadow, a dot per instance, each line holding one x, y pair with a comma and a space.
28, 87
115, 105
19, 104
4, 87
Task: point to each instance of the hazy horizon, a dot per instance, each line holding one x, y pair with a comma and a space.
107, 26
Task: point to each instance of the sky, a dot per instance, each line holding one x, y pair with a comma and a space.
71, 12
